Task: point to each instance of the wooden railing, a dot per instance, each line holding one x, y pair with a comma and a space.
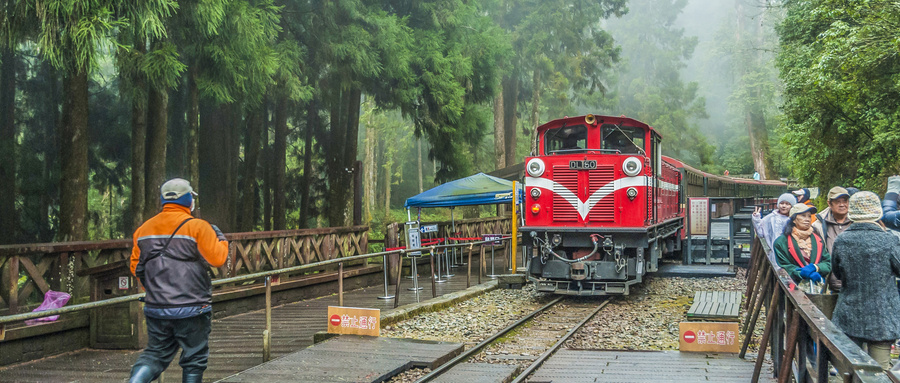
28, 271
795, 326
465, 228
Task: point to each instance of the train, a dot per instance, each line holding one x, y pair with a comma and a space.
602, 205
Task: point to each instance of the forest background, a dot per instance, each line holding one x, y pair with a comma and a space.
267, 105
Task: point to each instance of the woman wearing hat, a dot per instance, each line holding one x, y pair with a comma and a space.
867, 259
772, 225
800, 250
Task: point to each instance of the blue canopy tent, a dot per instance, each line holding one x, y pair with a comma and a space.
479, 189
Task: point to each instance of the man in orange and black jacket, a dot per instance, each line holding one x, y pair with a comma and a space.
171, 256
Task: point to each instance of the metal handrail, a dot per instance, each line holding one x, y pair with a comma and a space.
224, 281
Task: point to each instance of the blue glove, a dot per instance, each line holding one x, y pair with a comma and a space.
219, 233
805, 271
816, 277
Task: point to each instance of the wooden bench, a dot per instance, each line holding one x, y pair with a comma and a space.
715, 305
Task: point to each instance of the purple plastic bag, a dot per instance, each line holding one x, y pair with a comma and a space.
52, 300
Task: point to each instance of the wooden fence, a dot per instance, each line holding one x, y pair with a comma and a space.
28, 271
465, 228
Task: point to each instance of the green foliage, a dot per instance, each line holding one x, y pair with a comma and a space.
841, 73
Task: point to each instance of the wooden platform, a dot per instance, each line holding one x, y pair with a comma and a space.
351, 358
479, 373
235, 341
715, 305
576, 366
695, 271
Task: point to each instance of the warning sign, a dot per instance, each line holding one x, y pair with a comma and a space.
352, 320
709, 337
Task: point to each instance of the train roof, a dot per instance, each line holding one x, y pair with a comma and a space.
680, 164
601, 119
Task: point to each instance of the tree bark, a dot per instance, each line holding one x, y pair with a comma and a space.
344, 135
74, 158
371, 170
419, 149
268, 174
279, 164
193, 126
177, 161
249, 199
510, 117
535, 109
50, 169
312, 124
138, 145
499, 129
9, 222
213, 200
155, 162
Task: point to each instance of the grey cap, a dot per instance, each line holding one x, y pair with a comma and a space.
175, 188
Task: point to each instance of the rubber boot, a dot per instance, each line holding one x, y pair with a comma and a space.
141, 374
191, 377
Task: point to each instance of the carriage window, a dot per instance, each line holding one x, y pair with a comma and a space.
625, 139
565, 139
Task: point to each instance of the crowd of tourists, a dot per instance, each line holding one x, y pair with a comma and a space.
850, 248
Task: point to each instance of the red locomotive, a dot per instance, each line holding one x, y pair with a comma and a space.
602, 205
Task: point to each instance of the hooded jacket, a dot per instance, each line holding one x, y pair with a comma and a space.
181, 277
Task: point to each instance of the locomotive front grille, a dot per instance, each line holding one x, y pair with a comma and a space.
604, 208
566, 185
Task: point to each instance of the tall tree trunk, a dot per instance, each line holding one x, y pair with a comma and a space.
213, 199
9, 222
268, 175
388, 165
499, 129
138, 145
177, 161
759, 141
193, 126
249, 199
419, 150
50, 177
510, 117
235, 123
279, 163
344, 134
312, 124
155, 162
73, 155
535, 109
371, 170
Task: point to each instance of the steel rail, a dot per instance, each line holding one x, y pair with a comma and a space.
477, 348
224, 281
552, 350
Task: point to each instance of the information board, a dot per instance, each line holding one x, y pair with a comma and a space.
413, 237
699, 216
709, 337
355, 321
497, 238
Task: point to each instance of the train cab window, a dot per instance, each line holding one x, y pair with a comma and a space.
624, 139
565, 139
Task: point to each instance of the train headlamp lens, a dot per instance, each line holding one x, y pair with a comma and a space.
535, 167
535, 193
535, 208
632, 166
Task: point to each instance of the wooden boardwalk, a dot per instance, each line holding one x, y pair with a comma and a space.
235, 341
576, 366
715, 305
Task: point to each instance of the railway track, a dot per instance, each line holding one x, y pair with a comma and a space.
527, 343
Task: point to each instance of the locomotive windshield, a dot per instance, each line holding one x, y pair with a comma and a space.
624, 139
565, 139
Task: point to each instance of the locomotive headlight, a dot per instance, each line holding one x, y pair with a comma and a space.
632, 166
535, 209
535, 193
631, 193
535, 167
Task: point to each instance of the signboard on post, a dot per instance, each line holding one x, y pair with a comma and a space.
699, 215
413, 237
355, 321
708, 337
497, 238
428, 229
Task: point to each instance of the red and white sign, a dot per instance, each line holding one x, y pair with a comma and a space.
689, 336
352, 320
709, 337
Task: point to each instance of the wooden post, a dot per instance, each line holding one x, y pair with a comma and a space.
433, 287
790, 344
770, 322
399, 269
469, 271
481, 265
340, 283
267, 334
514, 228
13, 284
